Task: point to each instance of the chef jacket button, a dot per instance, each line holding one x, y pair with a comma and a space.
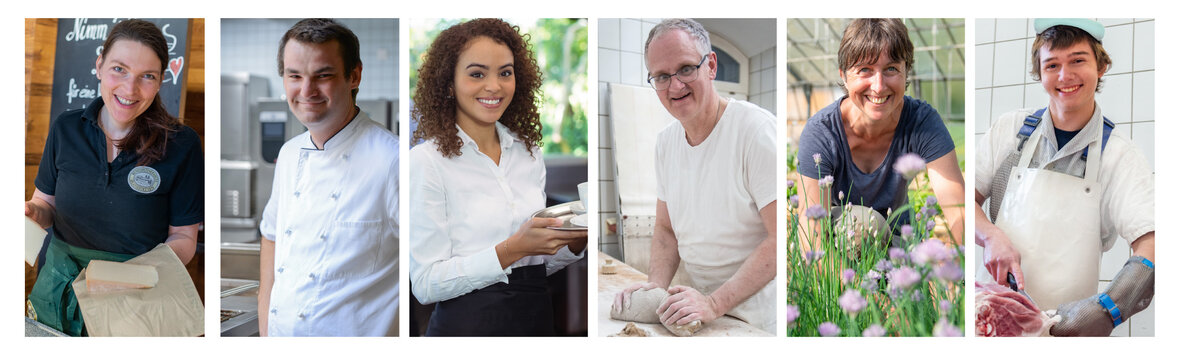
296, 194
336, 195
288, 232
323, 237
345, 157
301, 316
281, 269
274, 311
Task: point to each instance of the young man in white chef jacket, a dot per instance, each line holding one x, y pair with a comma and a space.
330, 248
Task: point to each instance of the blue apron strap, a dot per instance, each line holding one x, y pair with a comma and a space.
1030, 125
1107, 127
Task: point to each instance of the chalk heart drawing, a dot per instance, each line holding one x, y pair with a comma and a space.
176, 66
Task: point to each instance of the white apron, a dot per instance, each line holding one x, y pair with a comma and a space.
1053, 220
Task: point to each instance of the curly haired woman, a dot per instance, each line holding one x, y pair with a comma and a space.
475, 183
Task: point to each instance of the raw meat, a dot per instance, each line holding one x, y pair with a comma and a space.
1001, 312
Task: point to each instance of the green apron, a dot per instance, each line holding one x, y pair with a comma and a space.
52, 299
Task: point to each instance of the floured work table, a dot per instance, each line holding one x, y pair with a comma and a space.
611, 284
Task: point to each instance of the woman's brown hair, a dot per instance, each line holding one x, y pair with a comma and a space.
435, 106
149, 134
865, 39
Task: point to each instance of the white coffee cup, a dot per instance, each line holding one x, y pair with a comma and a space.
582, 188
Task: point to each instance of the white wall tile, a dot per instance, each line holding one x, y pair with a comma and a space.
1008, 29
1145, 46
1118, 43
605, 135
1144, 97
1010, 63
768, 80
606, 164
985, 30
608, 65
632, 36
1143, 323
631, 70
1143, 136
769, 58
608, 34
607, 196
755, 63
983, 118
603, 98
1108, 22
1035, 96
1115, 98
983, 65
755, 82
771, 102
1006, 99
1112, 260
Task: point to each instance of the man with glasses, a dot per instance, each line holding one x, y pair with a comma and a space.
715, 173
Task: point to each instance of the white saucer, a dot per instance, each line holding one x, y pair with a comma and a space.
580, 220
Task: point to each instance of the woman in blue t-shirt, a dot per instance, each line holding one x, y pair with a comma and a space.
858, 139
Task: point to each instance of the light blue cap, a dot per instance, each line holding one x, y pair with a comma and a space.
1091, 27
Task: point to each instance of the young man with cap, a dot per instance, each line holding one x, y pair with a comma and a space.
329, 256
1063, 187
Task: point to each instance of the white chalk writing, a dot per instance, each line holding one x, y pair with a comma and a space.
83, 93
84, 31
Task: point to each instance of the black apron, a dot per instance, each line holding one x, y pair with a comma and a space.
521, 307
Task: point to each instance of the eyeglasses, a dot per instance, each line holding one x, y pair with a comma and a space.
686, 74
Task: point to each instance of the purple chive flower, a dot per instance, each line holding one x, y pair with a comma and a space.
792, 313
852, 302
828, 329
847, 276
949, 272
826, 181
930, 251
874, 330
840, 196
916, 296
812, 256
929, 211
907, 230
870, 281
930, 225
903, 277
817, 158
945, 305
794, 200
883, 266
944, 329
816, 211
896, 253
790, 184
909, 165
931, 200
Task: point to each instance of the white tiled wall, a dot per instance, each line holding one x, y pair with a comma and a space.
1003, 83
620, 60
251, 45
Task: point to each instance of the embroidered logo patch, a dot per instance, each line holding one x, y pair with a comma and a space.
144, 179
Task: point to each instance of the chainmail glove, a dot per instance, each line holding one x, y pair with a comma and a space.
1129, 293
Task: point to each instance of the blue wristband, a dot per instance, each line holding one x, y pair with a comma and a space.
1115, 314
1146, 262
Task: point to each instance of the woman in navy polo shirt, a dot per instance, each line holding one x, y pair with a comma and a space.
117, 178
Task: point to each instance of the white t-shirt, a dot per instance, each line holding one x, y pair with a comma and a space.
333, 217
714, 192
1128, 184
461, 207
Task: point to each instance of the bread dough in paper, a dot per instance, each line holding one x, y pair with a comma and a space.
642, 308
171, 308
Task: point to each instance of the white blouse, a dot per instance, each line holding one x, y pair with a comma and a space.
461, 207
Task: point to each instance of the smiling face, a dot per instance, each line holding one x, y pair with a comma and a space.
876, 90
130, 78
484, 82
318, 89
668, 54
1070, 77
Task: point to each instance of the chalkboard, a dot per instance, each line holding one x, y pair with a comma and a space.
79, 42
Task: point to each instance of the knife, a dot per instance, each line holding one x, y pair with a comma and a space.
1015, 288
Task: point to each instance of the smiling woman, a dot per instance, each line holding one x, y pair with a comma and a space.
475, 248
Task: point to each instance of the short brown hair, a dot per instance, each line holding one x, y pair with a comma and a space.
1063, 36
319, 31
435, 106
865, 39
